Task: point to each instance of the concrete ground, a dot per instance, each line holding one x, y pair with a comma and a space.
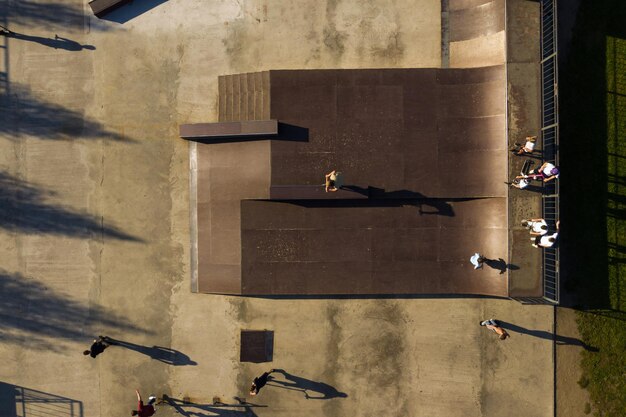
94, 227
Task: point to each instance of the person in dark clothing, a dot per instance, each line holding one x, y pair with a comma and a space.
98, 346
5, 32
144, 410
260, 382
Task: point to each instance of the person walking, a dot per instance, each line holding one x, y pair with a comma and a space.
144, 410
334, 181
477, 260
260, 382
98, 346
491, 324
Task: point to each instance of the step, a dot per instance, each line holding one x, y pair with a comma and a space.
236, 102
221, 97
228, 100
258, 96
229, 129
243, 96
250, 96
265, 110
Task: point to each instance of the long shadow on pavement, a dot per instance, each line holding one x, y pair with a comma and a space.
542, 334
31, 313
23, 209
162, 354
23, 114
320, 390
57, 42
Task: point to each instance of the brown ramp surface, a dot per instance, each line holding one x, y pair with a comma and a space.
432, 132
428, 146
418, 247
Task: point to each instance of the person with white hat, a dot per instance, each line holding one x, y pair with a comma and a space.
144, 410
477, 260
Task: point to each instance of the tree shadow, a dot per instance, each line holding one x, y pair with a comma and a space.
49, 15
131, 10
190, 409
57, 42
617, 248
609, 313
19, 401
321, 390
162, 354
542, 334
31, 313
23, 209
23, 114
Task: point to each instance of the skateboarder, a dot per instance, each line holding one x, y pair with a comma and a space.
260, 382
491, 324
477, 260
98, 346
334, 181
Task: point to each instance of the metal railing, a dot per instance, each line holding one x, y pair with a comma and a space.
550, 136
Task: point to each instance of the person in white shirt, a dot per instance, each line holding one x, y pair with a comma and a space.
546, 172
546, 240
520, 183
528, 147
537, 227
477, 260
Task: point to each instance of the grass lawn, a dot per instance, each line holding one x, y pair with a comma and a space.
593, 198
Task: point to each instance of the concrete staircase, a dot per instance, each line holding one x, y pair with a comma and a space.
244, 97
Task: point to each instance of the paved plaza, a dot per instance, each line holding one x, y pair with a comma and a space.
95, 233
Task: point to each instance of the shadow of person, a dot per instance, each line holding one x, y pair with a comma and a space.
542, 334
296, 383
56, 43
440, 207
356, 189
499, 264
436, 206
512, 267
162, 354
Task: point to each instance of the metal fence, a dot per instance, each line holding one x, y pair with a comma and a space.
550, 135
